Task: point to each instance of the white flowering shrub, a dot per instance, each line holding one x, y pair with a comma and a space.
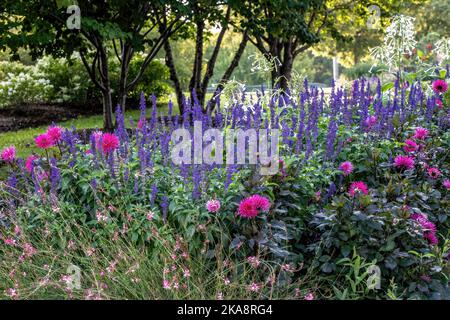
26, 84
49, 80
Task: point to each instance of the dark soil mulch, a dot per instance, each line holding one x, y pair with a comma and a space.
33, 115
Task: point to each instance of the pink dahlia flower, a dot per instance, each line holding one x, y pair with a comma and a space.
110, 142
434, 172
346, 168
404, 162
440, 86
248, 208
420, 133
358, 187
213, 205
410, 146
44, 141
8, 154
29, 163
55, 134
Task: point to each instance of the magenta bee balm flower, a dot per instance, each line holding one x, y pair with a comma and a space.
446, 184
410, 146
346, 168
428, 227
55, 133
440, 86
404, 162
434, 172
44, 141
29, 163
213, 205
249, 207
8, 154
420, 133
110, 142
358, 187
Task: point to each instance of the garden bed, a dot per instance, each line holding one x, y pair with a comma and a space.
33, 115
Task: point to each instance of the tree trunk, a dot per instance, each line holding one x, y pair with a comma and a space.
123, 91
173, 75
286, 66
233, 65
108, 124
195, 83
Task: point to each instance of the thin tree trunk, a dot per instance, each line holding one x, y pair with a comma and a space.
233, 65
194, 84
108, 124
125, 62
173, 75
212, 61
286, 66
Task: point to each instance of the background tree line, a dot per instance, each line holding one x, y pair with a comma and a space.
202, 42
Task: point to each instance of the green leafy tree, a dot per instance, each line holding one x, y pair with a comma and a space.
124, 28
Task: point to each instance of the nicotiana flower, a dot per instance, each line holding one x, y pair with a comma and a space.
8, 154
110, 142
404, 162
440, 86
346, 168
44, 141
420, 133
434, 172
213, 205
358, 187
410, 146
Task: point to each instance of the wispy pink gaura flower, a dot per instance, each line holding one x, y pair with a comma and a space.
254, 287
434, 172
404, 162
110, 142
248, 208
358, 187
44, 141
254, 261
10, 242
309, 296
440, 86
213, 205
346, 168
410, 146
55, 133
8, 154
29, 250
420, 133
